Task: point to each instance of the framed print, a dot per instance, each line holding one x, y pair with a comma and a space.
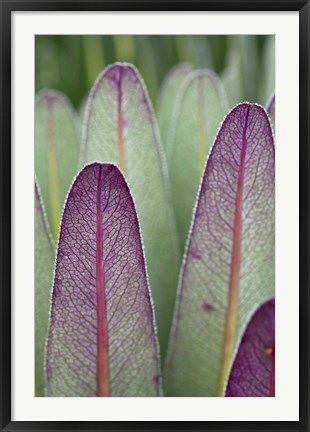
152, 190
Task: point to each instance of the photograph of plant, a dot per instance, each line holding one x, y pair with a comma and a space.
155, 216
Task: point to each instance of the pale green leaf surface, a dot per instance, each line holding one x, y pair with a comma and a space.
121, 128
268, 70
249, 66
57, 148
228, 269
231, 77
201, 106
167, 98
44, 264
82, 108
94, 56
194, 49
241, 72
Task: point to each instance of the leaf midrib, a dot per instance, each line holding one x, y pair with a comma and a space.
233, 292
52, 171
102, 331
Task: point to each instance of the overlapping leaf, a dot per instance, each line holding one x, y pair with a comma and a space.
240, 73
195, 49
167, 98
121, 128
200, 110
231, 76
253, 370
247, 45
102, 340
229, 263
44, 264
268, 69
57, 147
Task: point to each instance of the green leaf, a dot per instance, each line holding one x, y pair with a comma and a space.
268, 70
195, 49
57, 147
247, 45
231, 77
229, 264
121, 128
94, 56
82, 108
242, 70
167, 97
44, 264
200, 109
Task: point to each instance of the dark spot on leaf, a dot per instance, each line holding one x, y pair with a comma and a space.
156, 379
195, 253
207, 307
268, 350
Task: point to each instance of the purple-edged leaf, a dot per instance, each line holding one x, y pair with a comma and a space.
121, 128
228, 267
101, 340
271, 109
57, 149
253, 370
44, 266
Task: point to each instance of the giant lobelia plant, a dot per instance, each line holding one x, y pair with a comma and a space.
117, 248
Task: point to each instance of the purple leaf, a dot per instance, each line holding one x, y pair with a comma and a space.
253, 371
102, 340
229, 263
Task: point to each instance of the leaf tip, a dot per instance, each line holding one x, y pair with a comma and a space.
51, 97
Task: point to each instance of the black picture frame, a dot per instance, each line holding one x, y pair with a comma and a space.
6, 9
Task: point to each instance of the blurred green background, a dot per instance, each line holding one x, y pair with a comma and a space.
72, 63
